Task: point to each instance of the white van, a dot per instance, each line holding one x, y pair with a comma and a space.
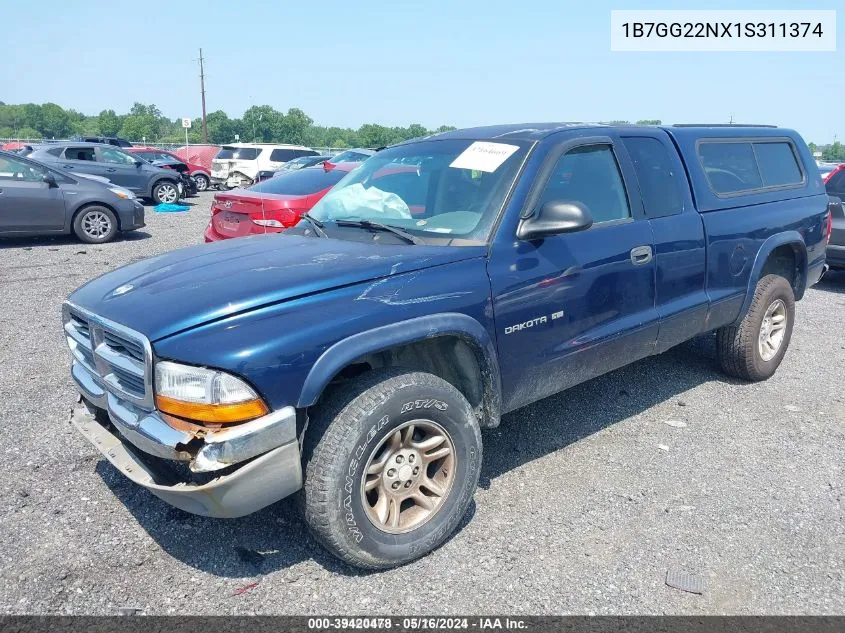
238, 164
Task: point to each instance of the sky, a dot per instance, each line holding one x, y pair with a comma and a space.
435, 62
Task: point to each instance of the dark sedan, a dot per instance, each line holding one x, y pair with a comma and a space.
39, 200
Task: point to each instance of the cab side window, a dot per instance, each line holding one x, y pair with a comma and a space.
589, 175
659, 187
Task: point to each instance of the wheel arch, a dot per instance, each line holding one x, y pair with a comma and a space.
420, 338
93, 203
161, 178
772, 257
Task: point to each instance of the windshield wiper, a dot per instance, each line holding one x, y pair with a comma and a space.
315, 224
369, 224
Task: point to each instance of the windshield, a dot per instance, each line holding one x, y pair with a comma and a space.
447, 188
300, 182
299, 162
238, 153
351, 156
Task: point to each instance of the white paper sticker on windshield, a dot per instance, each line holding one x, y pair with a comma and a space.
484, 156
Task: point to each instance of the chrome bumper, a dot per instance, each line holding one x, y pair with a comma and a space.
270, 442
258, 483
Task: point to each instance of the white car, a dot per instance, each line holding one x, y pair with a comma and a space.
238, 164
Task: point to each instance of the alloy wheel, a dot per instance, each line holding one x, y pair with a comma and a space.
408, 477
96, 225
772, 330
168, 193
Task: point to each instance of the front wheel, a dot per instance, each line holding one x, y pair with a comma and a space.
165, 191
391, 469
95, 225
202, 182
753, 349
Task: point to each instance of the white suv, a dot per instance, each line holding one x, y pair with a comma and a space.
238, 164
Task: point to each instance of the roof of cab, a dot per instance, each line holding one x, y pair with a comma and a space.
513, 131
539, 131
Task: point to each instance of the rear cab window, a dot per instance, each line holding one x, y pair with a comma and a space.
735, 167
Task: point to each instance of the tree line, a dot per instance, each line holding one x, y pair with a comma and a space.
265, 124
142, 123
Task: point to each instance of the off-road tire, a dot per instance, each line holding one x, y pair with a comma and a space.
157, 189
83, 224
343, 434
738, 345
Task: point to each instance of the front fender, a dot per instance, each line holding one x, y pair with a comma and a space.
792, 238
283, 348
342, 353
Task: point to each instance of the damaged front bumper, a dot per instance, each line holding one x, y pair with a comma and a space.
249, 487
264, 476
228, 471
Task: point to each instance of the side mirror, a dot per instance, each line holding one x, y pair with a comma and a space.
138, 163
553, 218
50, 179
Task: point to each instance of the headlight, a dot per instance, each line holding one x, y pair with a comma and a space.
205, 395
120, 192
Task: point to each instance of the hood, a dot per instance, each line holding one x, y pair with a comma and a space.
188, 287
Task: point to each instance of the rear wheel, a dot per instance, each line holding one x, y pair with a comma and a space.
95, 225
391, 468
202, 182
165, 191
753, 349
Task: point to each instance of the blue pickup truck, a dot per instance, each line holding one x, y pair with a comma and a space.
448, 280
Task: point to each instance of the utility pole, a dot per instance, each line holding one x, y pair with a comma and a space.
202, 90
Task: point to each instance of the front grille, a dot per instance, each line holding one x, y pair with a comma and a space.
118, 358
124, 346
129, 382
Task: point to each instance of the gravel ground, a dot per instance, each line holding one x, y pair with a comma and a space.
587, 498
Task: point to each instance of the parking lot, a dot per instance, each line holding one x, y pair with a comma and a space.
586, 499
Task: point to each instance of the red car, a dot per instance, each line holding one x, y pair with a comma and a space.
201, 175
272, 205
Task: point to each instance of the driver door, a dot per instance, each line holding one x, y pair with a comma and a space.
572, 306
27, 203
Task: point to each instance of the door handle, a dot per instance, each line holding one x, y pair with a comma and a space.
111, 169
68, 166
641, 255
